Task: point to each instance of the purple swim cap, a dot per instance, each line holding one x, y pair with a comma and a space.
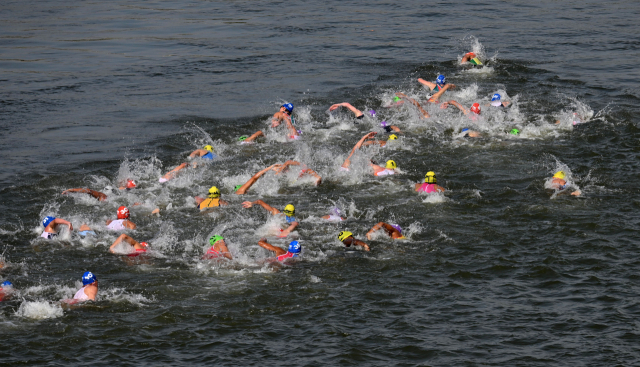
372, 112
396, 226
383, 124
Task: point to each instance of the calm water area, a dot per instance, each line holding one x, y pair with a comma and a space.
498, 271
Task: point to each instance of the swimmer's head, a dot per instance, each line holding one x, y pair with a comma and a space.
6, 284
465, 130
336, 211
441, 80
560, 175
88, 278
208, 148
372, 113
393, 137
131, 184
344, 235
123, 212
214, 192
397, 99
215, 239
475, 108
495, 97
242, 138
289, 210
144, 244
391, 164
397, 226
288, 107
294, 247
236, 188
47, 220
430, 177
514, 132
383, 124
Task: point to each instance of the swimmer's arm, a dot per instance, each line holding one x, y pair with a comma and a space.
267, 207
372, 142
266, 245
460, 107
197, 153
437, 96
224, 202
277, 117
278, 169
347, 162
198, 200
96, 194
373, 229
171, 174
415, 103
395, 128
356, 111
313, 173
418, 185
286, 232
129, 224
361, 244
426, 83
127, 239
292, 130
57, 221
222, 248
243, 189
468, 56
440, 188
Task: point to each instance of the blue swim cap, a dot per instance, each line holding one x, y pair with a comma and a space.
47, 220
441, 79
294, 247
7, 283
465, 129
496, 97
288, 107
88, 278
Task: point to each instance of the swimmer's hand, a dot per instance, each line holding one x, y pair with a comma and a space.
156, 211
444, 105
576, 193
371, 135
247, 204
284, 233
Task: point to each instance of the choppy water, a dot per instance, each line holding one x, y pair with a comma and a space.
496, 272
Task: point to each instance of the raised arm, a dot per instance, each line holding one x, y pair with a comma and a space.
221, 247
281, 168
58, 221
468, 56
436, 97
124, 238
292, 130
198, 153
426, 83
458, 105
370, 135
266, 245
356, 111
374, 229
415, 103
243, 189
267, 207
96, 194
309, 171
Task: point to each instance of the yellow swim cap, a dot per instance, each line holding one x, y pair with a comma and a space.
214, 192
208, 147
430, 177
393, 137
391, 164
560, 175
289, 210
344, 235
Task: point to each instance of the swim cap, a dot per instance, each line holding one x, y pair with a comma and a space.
88, 278
215, 239
144, 244
396, 99
208, 147
242, 138
214, 192
495, 97
288, 107
397, 226
475, 108
372, 112
131, 184
391, 164
294, 247
344, 235
236, 188
383, 124
47, 220
393, 137
465, 129
6, 283
336, 211
123, 212
289, 210
430, 177
441, 79
514, 131
560, 175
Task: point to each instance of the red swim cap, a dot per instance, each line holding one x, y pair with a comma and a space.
123, 212
130, 184
475, 108
144, 244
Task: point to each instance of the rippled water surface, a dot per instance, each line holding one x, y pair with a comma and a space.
498, 271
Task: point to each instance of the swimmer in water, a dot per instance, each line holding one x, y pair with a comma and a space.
359, 114
335, 216
429, 185
289, 212
135, 249
424, 113
96, 194
389, 128
86, 231
440, 86
393, 230
50, 224
173, 173
469, 133
347, 239
575, 119
212, 201
89, 289
122, 222
496, 101
559, 183
470, 58
382, 143
204, 153
282, 254
6, 290
284, 115
377, 170
305, 170
130, 184
473, 113
218, 249
243, 189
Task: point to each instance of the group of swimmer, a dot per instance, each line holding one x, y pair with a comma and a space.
218, 250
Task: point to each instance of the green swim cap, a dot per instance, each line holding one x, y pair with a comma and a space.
242, 138
215, 239
237, 187
396, 99
514, 132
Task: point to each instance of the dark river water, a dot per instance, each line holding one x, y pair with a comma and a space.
500, 270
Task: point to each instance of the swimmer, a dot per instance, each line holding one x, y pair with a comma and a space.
281, 254
558, 182
389, 128
382, 143
130, 184
440, 86
96, 194
576, 119
393, 230
347, 239
85, 231
204, 153
359, 114
335, 216
289, 212
469, 133
122, 222
6, 290
429, 185
415, 103
213, 200
497, 102
135, 249
172, 174
284, 115
243, 189
50, 224
89, 289
470, 58
473, 113
218, 249
305, 170
389, 169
